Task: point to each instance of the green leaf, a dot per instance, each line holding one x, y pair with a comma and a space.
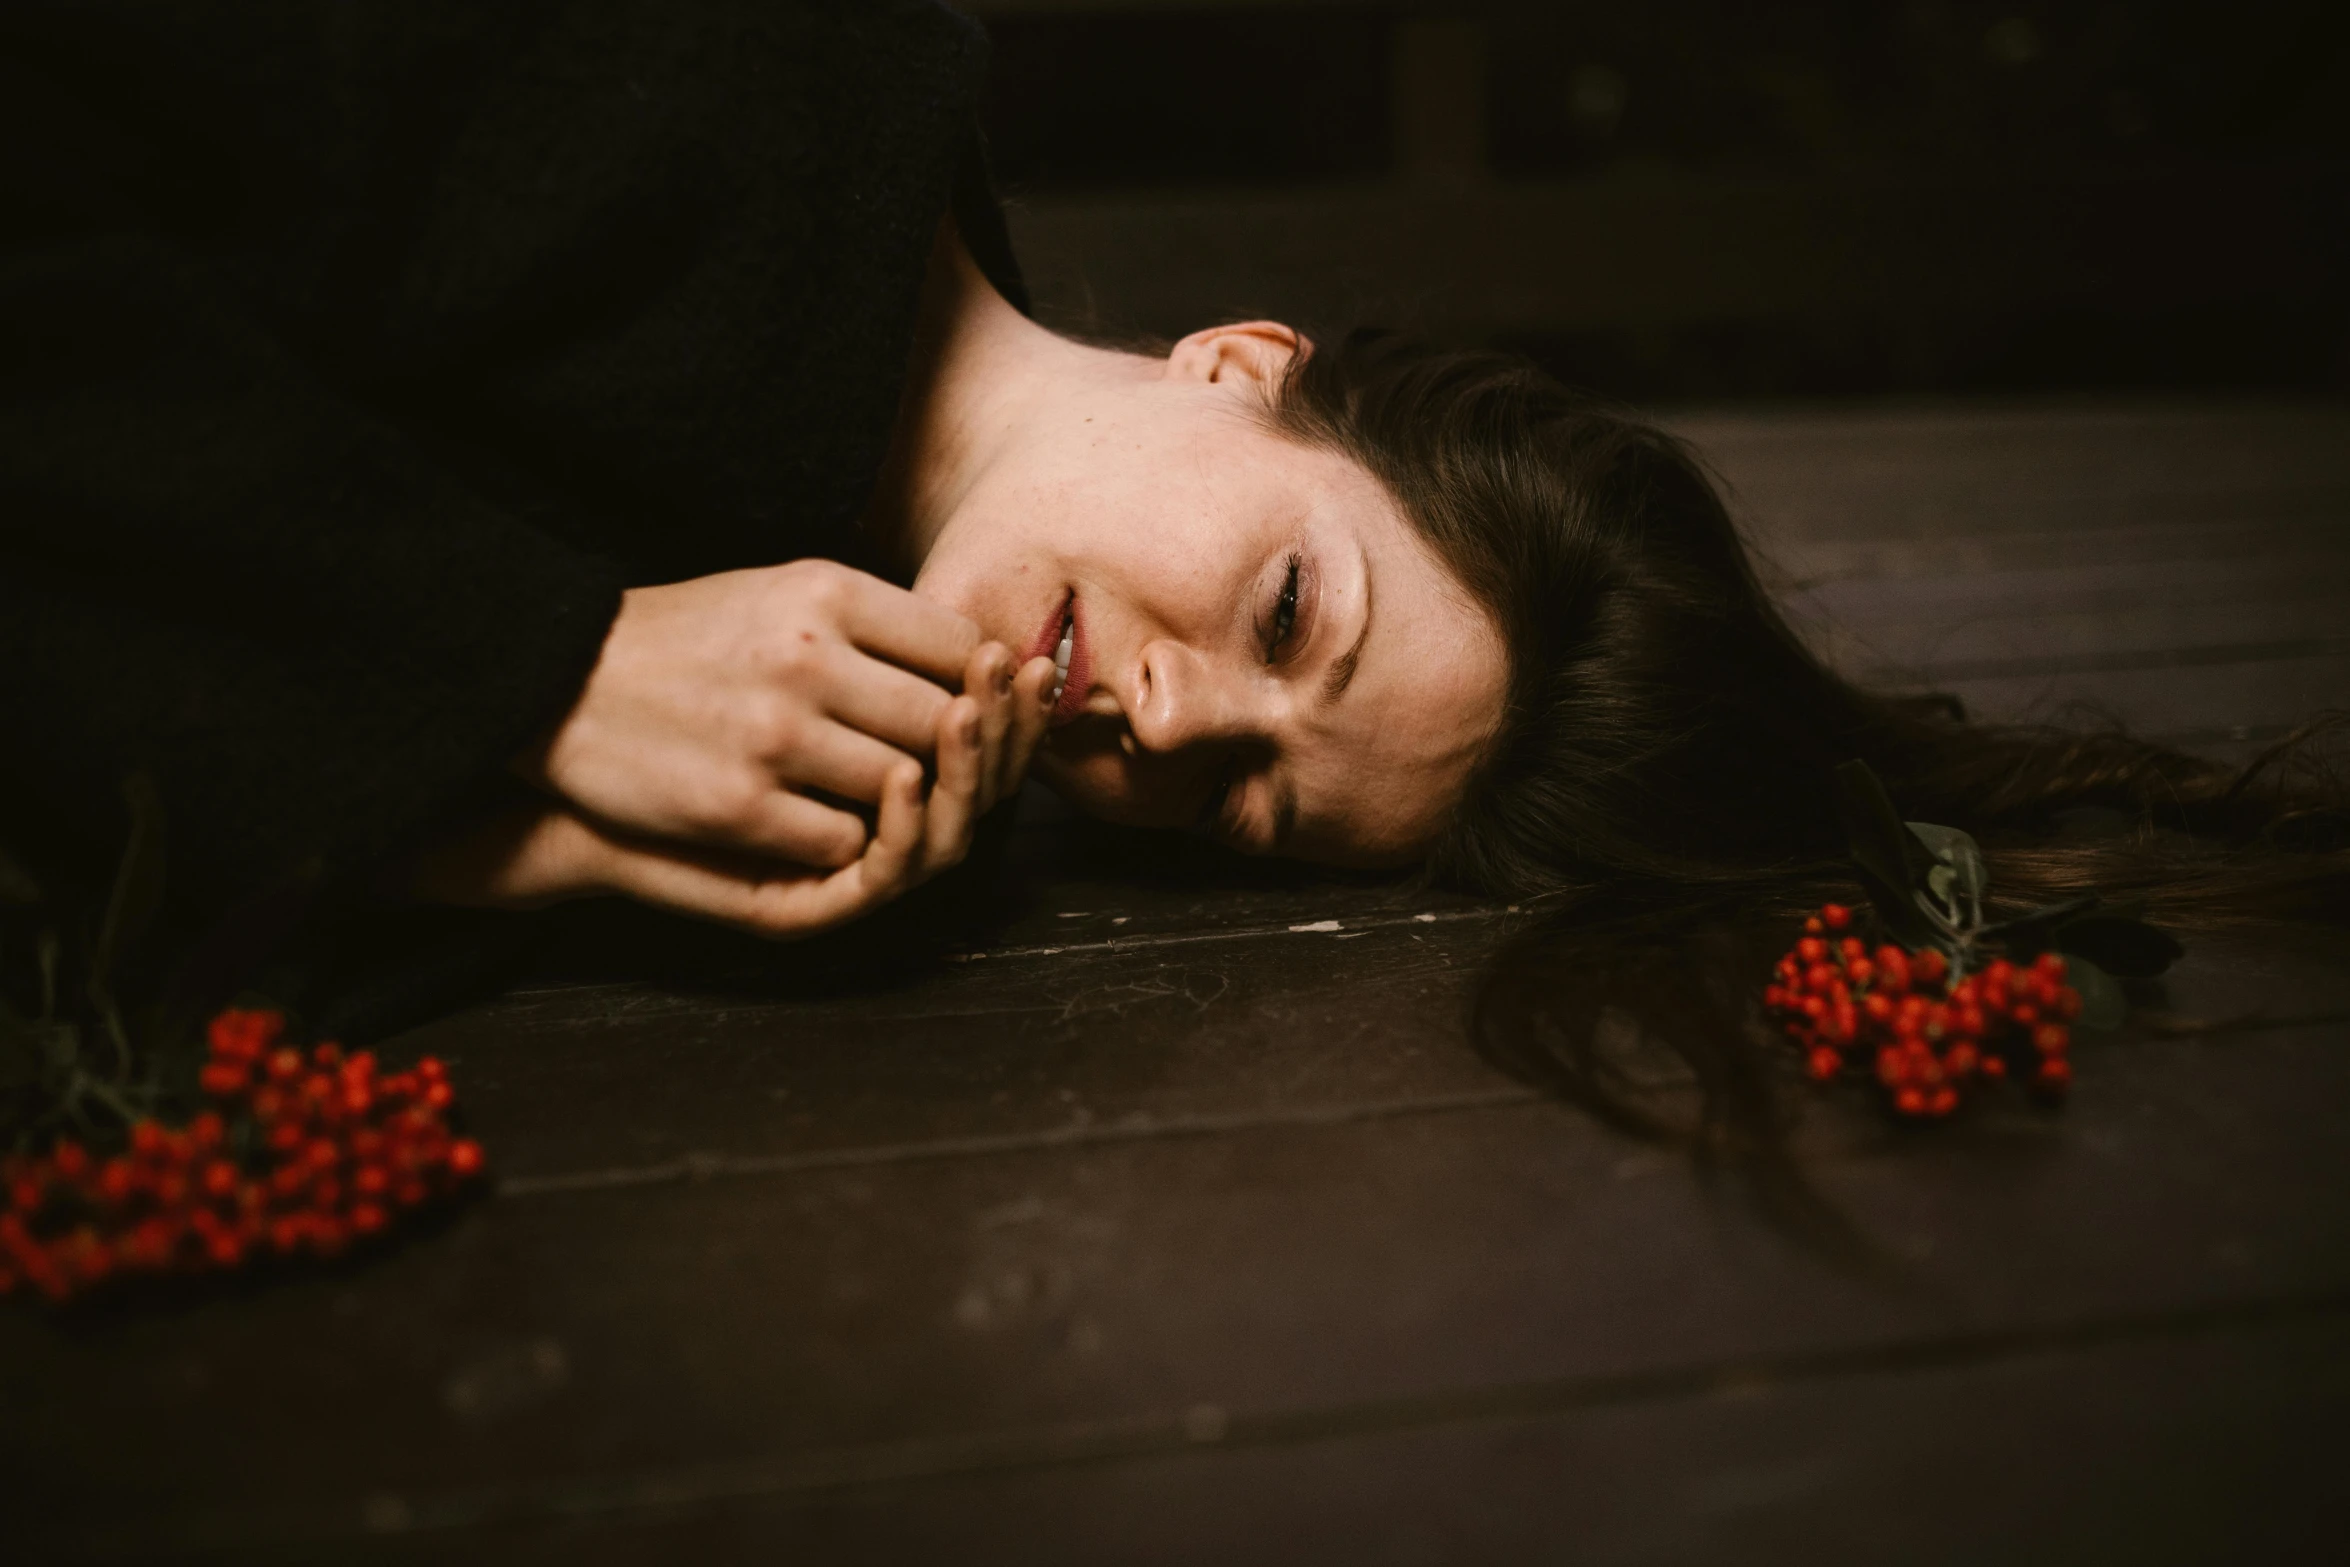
1961, 890
2118, 945
2103, 1006
1881, 849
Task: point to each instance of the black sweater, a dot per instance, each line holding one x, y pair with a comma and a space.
354, 355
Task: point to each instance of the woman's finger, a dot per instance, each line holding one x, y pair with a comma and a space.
769, 820
888, 864
988, 678
777, 901
955, 802
829, 755
883, 700
1032, 714
910, 631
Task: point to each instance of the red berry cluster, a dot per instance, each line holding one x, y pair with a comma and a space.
301, 1153
1929, 1034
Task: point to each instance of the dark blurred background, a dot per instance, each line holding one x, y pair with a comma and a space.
1705, 198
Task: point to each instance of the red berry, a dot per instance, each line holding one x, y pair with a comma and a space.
117, 1182
285, 1064
1910, 1101
1811, 950
2051, 1038
1813, 927
329, 1054
1961, 1060
1835, 915
220, 1179
2067, 1004
367, 1218
430, 1069
206, 1131
1824, 1064
2050, 964
1994, 1066
2055, 1072
222, 1079
1929, 967
465, 1158
439, 1094
72, 1160
1861, 970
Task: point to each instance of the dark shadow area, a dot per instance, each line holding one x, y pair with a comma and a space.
1701, 199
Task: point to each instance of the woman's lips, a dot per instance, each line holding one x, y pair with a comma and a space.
1077, 682
1048, 635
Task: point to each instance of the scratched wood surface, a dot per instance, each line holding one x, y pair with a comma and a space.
1177, 1222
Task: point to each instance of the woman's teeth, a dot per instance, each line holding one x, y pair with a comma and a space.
1061, 657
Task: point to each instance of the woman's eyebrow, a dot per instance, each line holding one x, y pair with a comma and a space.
1342, 668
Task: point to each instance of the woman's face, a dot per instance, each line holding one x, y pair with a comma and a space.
1260, 643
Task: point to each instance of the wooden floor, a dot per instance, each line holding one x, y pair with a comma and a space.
1179, 1225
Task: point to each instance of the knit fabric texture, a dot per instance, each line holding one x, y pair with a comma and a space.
356, 354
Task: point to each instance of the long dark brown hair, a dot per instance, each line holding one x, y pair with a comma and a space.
1659, 784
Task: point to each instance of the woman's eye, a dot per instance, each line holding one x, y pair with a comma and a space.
1284, 612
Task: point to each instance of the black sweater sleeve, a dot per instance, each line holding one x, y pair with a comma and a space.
214, 569
218, 568
354, 355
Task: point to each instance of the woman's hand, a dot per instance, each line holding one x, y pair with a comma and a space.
719, 706
546, 852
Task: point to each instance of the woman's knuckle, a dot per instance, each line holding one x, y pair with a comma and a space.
734, 805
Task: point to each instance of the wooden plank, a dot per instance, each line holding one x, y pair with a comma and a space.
1919, 472
1031, 1043
2167, 699
1037, 1049
837, 1321
2191, 1446
1521, 257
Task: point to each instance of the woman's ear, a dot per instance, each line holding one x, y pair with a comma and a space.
1254, 351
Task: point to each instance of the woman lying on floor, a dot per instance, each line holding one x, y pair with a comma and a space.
515, 454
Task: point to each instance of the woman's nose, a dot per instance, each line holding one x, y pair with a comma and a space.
1179, 700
